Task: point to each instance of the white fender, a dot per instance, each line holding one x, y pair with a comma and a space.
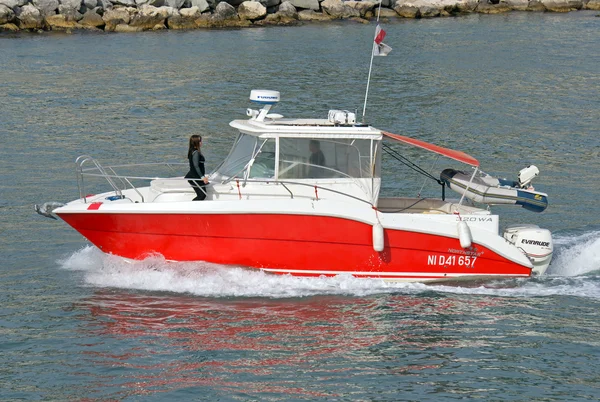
464, 235
378, 241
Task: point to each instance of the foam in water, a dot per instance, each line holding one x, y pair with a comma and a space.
576, 255
205, 279
569, 274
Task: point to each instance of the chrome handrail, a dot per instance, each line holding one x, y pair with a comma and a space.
79, 162
103, 172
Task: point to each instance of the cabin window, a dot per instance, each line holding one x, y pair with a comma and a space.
239, 156
264, 161
305, 158
245, 148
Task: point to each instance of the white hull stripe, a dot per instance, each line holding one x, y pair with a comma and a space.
398, 274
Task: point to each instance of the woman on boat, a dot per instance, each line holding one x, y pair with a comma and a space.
196, 160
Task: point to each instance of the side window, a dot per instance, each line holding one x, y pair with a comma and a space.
305, 158
293, 158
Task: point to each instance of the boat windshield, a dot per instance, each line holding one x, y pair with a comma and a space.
299, 158
245, 148
304, 158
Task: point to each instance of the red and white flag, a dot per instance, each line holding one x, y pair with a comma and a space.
379, 35
380, 48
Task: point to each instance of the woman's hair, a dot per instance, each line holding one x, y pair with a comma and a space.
195, 141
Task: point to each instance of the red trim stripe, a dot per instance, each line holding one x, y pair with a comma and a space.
94, 206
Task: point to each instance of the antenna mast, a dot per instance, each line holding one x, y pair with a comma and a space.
371, 64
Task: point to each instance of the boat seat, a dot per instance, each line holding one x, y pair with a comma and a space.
171, 185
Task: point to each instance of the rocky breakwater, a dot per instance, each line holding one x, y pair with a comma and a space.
141, 15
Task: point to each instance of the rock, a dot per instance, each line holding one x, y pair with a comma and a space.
536, 5
337, 9
46, 7
192, 12
277, 19
126, 3
202, 5
30, 17
311, 15
114, 17
224, 16
224, 11
270, 3
359, 20
60, 22
168, 12
467, 6
251, 10
73, 14
518, 5
9, 27
385, 13
70, 13
177, 4
127, 28
74, 4
13, 3
90, 4
488, 8
92, 19
363, 7
427, 8
562, 6
182, 22
146, 18
306, 4
429, 11
6, 14
105, 4
593, 5
406, 11
287, 10
204, 21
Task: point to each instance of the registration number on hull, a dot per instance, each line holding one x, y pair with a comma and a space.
452, 260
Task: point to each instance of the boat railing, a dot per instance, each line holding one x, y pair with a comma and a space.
118, 182
286, 184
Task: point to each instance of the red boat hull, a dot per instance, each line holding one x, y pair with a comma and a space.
303, 245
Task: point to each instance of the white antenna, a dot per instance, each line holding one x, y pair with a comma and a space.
371, 64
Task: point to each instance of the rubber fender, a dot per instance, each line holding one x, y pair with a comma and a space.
378, 240
464, 235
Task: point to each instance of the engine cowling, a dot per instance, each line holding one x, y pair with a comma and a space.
535, 242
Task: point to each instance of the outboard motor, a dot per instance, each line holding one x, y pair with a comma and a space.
535, 242
527, 174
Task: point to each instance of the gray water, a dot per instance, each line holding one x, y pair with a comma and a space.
511, 90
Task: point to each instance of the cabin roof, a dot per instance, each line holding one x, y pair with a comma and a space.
309, 128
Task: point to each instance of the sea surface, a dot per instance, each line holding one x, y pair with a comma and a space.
511, 90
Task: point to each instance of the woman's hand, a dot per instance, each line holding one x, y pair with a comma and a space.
205, 180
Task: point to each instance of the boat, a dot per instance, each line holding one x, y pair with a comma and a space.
269, 208
486, 189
